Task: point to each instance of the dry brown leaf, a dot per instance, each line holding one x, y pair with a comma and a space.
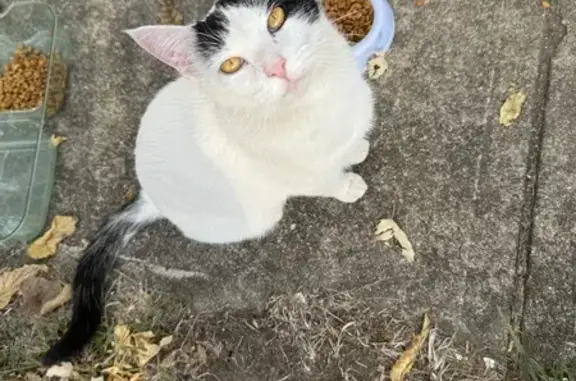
511, 108
121, 336
46, 246
114, 373
404, 364
166, 341
421, 3
377, 66
62, 371
145, 349
147, 335
132, 351
10, 281
36, 291
57, 140
388, 229
62, 298
146, 353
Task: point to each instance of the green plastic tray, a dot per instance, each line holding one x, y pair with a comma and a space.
27, 157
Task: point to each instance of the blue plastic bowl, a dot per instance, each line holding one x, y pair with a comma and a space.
380, 36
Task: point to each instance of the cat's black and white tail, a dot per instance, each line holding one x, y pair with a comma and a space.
91, 275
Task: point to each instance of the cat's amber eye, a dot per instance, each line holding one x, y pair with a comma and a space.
276, 19
231, 65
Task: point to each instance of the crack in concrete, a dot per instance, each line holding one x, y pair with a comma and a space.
554, 32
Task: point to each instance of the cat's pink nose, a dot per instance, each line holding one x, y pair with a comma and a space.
277, 69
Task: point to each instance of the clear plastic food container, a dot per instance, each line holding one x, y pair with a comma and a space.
27, 156
380, 36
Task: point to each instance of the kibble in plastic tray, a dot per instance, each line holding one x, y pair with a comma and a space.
27, 157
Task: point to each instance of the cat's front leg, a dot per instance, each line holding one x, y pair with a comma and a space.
344, 186
358, 152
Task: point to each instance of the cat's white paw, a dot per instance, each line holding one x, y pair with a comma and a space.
359, 152
353, 188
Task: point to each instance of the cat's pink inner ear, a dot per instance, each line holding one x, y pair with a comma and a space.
171, 44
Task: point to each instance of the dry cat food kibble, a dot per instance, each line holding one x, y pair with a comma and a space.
352, 17
23, 81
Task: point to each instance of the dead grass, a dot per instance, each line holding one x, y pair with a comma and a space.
320, 335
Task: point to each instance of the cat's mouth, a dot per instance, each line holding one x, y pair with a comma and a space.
291, 84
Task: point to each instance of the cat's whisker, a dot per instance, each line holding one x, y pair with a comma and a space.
209, 36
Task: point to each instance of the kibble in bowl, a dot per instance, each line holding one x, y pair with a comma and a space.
367, 24
23, 81
353, 18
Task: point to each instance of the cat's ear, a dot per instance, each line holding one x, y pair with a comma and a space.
171, 44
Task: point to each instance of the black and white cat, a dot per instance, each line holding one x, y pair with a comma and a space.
269, 104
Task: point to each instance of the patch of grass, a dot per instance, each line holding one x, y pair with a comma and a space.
317, 336
24, 339
527, 367
309, 336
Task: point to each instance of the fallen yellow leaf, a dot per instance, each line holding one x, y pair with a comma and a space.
57, 140
377, 66
121, 340
147, 335
46, 246
546, 4
511, 109
132, 351
404, 364
388, 229
10, 281
114, 373
147, 352
62, 298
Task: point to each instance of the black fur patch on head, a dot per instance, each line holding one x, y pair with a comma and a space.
210, 33
307, 8
237, 3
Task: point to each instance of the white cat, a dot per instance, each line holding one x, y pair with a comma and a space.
270, 104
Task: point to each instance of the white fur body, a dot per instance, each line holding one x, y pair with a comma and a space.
270, 105
223, 173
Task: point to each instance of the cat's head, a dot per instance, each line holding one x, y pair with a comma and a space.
256, 50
